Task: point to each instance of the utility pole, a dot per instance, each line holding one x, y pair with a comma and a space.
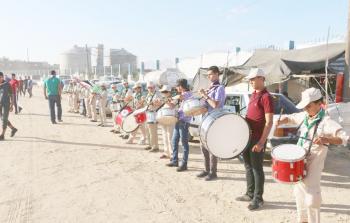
346, 86
27, 54
87, 62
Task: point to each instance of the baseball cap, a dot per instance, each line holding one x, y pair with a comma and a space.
255, 72
165, 88
308, 96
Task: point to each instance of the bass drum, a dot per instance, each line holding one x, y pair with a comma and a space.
122, 114
129, 123
224, 134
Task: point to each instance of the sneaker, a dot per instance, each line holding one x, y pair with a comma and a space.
172, 164
255, 205
202, 174
182, 168
154, 150
13, 132
244, 197
147, 148
211, 176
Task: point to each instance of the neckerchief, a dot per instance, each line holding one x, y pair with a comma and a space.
213, 86
318, 118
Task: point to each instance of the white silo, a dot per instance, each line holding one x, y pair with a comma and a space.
76, 61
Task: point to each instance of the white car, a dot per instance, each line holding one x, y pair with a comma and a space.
237, 102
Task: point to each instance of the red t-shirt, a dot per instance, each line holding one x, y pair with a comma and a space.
260, 103
14, 85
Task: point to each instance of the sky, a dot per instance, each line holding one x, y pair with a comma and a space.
163, 29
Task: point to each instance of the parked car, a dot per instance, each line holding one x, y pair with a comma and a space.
237, 102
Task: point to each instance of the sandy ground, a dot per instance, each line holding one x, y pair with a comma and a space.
78, 172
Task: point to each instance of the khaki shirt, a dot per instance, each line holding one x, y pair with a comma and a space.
151, 97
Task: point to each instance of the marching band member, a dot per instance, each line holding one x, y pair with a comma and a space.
181, 128
137, 103
102, 105
152, 97
167, 130
260, 118
115, 100
86, 95
75, 97
319, 128
215, 99
92, 104
125, 99
70, 97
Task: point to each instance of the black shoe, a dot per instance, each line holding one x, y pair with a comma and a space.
147, 148
2, 137
93, 121
211, 176
100, 124
19, 109
244, 197
60, 120
255, 204
202, 174
13, 132
54, 122
182, 168
125, 137
172, 164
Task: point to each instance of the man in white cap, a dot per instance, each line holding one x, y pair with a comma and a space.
137, 103
260, 119
167, 130
151, 99
317, 131
102, 105
125, 99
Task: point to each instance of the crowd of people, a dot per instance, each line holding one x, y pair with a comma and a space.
317, 129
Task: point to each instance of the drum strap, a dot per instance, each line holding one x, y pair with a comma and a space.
313, 136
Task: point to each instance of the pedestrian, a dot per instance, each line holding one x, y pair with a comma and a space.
321, 131
25, 85
260, 118
15, 86
102, 96
30, 86
6, 105
92, 104
21, 86
52, 92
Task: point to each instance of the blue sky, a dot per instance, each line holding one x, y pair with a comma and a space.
163, 29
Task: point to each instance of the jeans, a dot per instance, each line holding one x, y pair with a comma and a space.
253, 163
4, 114
55, 99
180, 131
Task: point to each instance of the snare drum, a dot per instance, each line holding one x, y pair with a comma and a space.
288, 163
167, 116
194, 106
122, 114
151, 117
224, 134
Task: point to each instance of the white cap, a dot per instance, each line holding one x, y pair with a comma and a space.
165, 88
308, 96
255, 72
137, 84
125, 82
150, 84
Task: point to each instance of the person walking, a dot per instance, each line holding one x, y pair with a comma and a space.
6, 105
15, 86
30, 86
52, 92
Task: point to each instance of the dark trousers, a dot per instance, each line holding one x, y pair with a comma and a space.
15, 101
55, 99
4, 114
210, 161
253, 163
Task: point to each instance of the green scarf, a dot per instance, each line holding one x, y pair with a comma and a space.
319, 117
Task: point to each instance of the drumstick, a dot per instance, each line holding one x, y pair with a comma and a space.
307, 139
279, 117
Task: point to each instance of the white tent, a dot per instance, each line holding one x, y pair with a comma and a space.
164, 77
190, 66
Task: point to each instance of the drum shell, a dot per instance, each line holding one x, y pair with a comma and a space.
151, 117
208, 121
167, 116
288, 171
194, 106
140, 117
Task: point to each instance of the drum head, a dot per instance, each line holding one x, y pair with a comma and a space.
129, 123
227, 136
288, 152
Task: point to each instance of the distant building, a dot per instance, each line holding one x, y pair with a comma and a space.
26, 68
123, 59
76, 61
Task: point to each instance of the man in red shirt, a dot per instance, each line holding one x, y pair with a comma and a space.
15, 86
260, 119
